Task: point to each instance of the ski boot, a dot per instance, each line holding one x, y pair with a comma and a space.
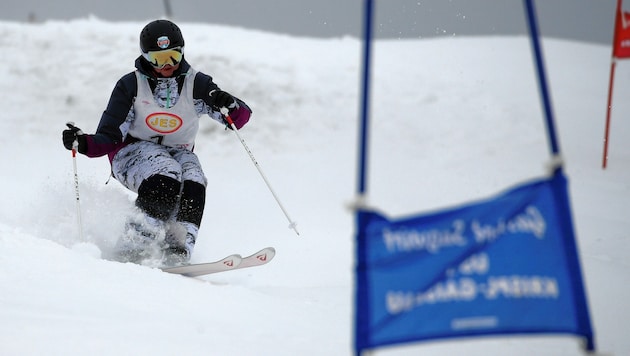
179, 243
141, 240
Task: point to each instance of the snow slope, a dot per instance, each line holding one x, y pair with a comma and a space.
453, 120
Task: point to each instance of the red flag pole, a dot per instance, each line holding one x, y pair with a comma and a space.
608, 110
616, 38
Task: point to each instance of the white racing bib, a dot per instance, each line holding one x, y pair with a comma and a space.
174, 126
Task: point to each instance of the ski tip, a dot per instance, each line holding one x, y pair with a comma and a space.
232, 260
269, 250
266, 254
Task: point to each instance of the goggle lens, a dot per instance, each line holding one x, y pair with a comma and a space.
159, 59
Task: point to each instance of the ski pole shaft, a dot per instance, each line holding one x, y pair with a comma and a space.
75, 148
292, 224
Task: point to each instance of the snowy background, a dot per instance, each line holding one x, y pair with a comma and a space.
453, 120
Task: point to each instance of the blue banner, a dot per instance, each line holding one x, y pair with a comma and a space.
502, 266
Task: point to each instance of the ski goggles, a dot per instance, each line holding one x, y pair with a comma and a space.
159, 59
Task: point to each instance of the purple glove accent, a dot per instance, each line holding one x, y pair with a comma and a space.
95, 149
240, 117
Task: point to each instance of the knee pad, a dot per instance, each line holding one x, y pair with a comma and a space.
158, 195
192, 203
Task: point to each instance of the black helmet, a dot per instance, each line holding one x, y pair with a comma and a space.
159, 35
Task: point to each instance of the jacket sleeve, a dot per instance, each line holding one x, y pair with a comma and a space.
108, 136
204, 85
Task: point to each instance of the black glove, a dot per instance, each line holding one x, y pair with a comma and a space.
72, 134
222, 99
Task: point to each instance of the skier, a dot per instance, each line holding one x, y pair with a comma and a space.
148, 131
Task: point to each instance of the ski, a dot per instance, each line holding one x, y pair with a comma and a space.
228, 263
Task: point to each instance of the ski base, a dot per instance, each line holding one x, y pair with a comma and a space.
228, 263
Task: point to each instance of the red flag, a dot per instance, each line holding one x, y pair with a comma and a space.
621, 41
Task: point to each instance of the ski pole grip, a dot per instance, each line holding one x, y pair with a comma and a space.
75, 144
226, 115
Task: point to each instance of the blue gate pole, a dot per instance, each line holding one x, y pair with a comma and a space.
530, 13
365, 100
363, 148
555, 151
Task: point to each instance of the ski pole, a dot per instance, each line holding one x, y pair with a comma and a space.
292, 224
75, 148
